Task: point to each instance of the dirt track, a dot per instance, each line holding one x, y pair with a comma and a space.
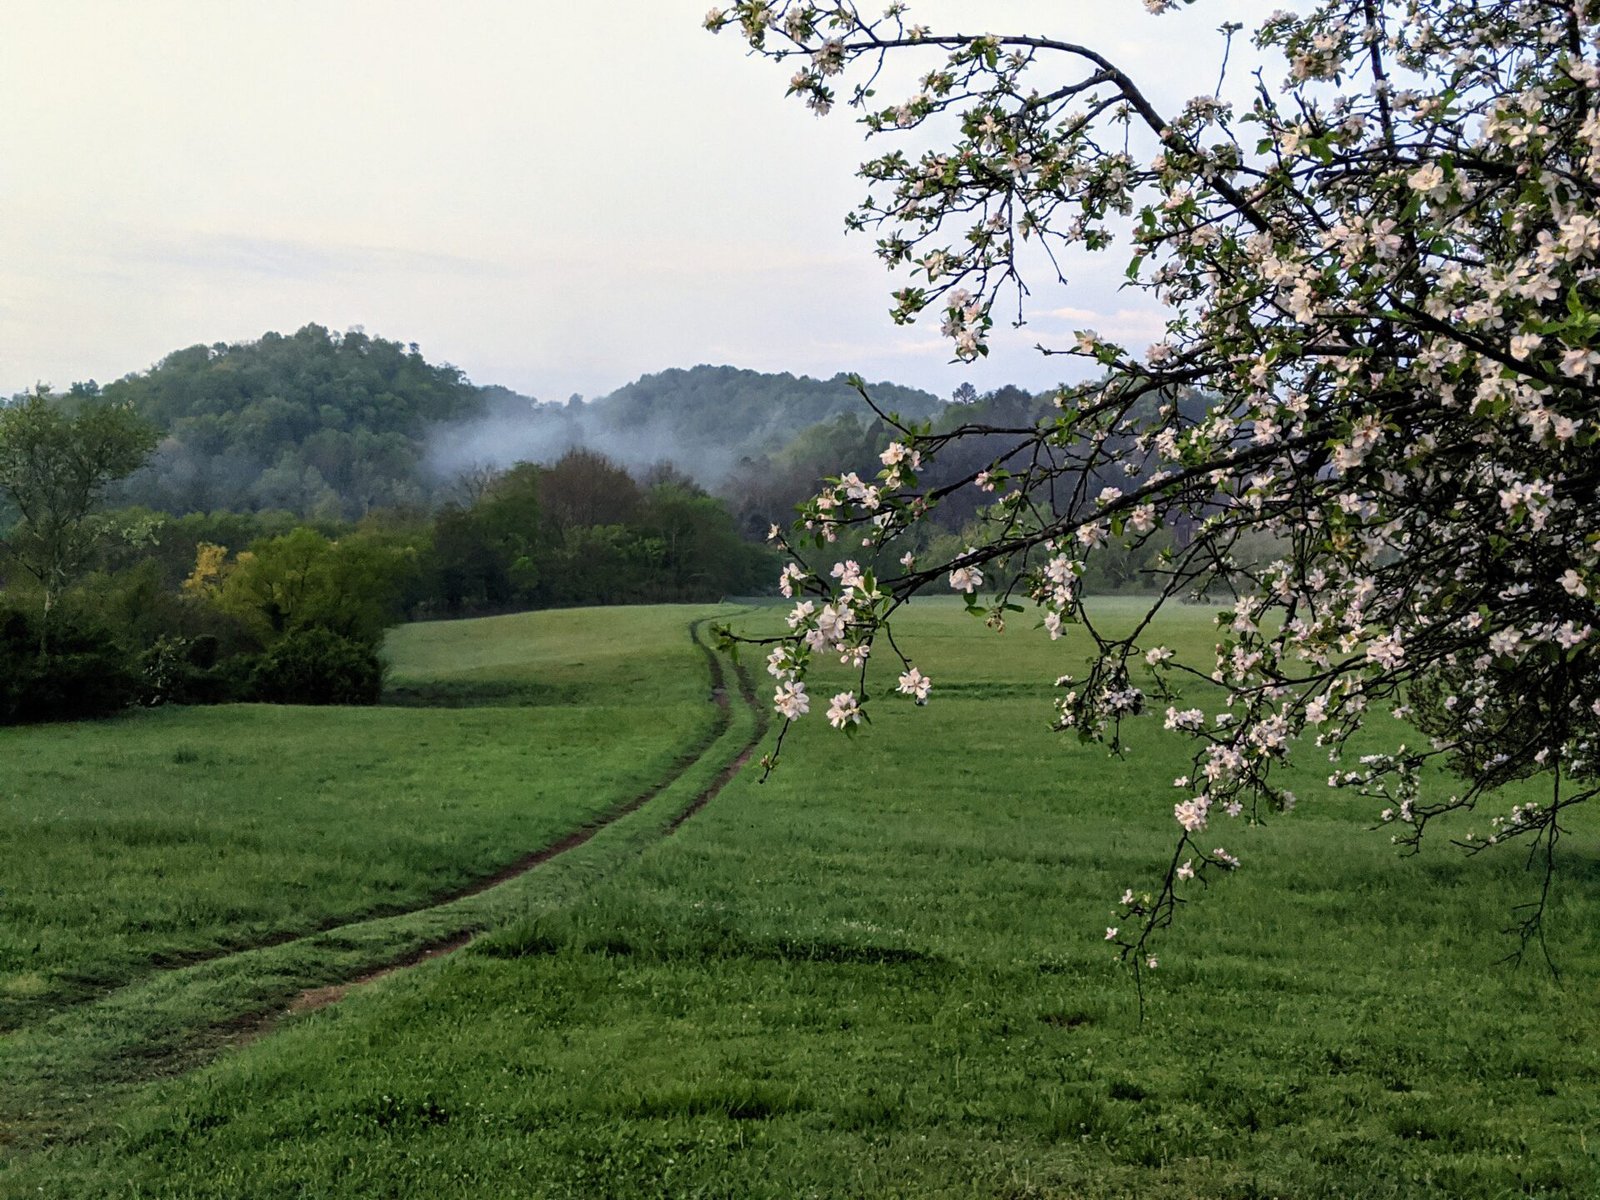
321, 997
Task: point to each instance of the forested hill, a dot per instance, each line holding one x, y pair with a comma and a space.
314, 422
333, 425
702, 419
747, 410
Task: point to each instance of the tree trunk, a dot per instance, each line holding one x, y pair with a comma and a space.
44, 623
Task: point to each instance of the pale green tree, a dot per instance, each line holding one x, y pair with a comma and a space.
56, 461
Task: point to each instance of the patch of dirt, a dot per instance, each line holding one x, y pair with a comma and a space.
314, 998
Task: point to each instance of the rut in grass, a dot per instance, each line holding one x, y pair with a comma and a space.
178, 960
313, 999
174, 1020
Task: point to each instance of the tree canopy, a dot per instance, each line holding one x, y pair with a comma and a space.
315, 422
56, 462
1377, 260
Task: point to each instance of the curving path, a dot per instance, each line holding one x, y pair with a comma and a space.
65, 1070
312, 999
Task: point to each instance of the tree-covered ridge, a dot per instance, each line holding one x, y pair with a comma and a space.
703, 420
748, 410
376, 383
334, 425
315, 422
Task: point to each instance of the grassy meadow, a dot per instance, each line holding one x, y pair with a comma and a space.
173, 834
880, 973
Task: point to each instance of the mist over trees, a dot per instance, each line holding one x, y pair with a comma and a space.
704, 420
281, 503
330, 425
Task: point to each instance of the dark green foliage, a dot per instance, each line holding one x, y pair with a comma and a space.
84, 673
318, 666
142, 607
318, 423
57, 458
702, 555
173, 540
483, 554
583, 531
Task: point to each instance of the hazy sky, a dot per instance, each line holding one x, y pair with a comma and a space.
556, 197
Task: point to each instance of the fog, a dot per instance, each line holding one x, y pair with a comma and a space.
518, 428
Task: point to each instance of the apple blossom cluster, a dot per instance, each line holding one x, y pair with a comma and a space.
1371, 422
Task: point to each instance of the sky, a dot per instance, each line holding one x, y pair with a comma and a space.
553, 197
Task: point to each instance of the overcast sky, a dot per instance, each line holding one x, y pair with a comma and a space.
556, 197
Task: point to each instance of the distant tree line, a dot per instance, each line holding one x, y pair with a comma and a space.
134, 606
765, 490
332, 425
245, 521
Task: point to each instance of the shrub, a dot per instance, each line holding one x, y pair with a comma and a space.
180, 670
85, 673
317, 666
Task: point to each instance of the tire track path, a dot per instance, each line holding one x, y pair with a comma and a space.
313, 999
180, 960
66, 1074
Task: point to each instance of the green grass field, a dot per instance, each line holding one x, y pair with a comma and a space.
881, 973
173, 834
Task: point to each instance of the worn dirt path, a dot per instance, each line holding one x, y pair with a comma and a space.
67, 1070
321, 997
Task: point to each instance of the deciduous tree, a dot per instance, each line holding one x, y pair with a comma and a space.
56, 461
1378, 260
